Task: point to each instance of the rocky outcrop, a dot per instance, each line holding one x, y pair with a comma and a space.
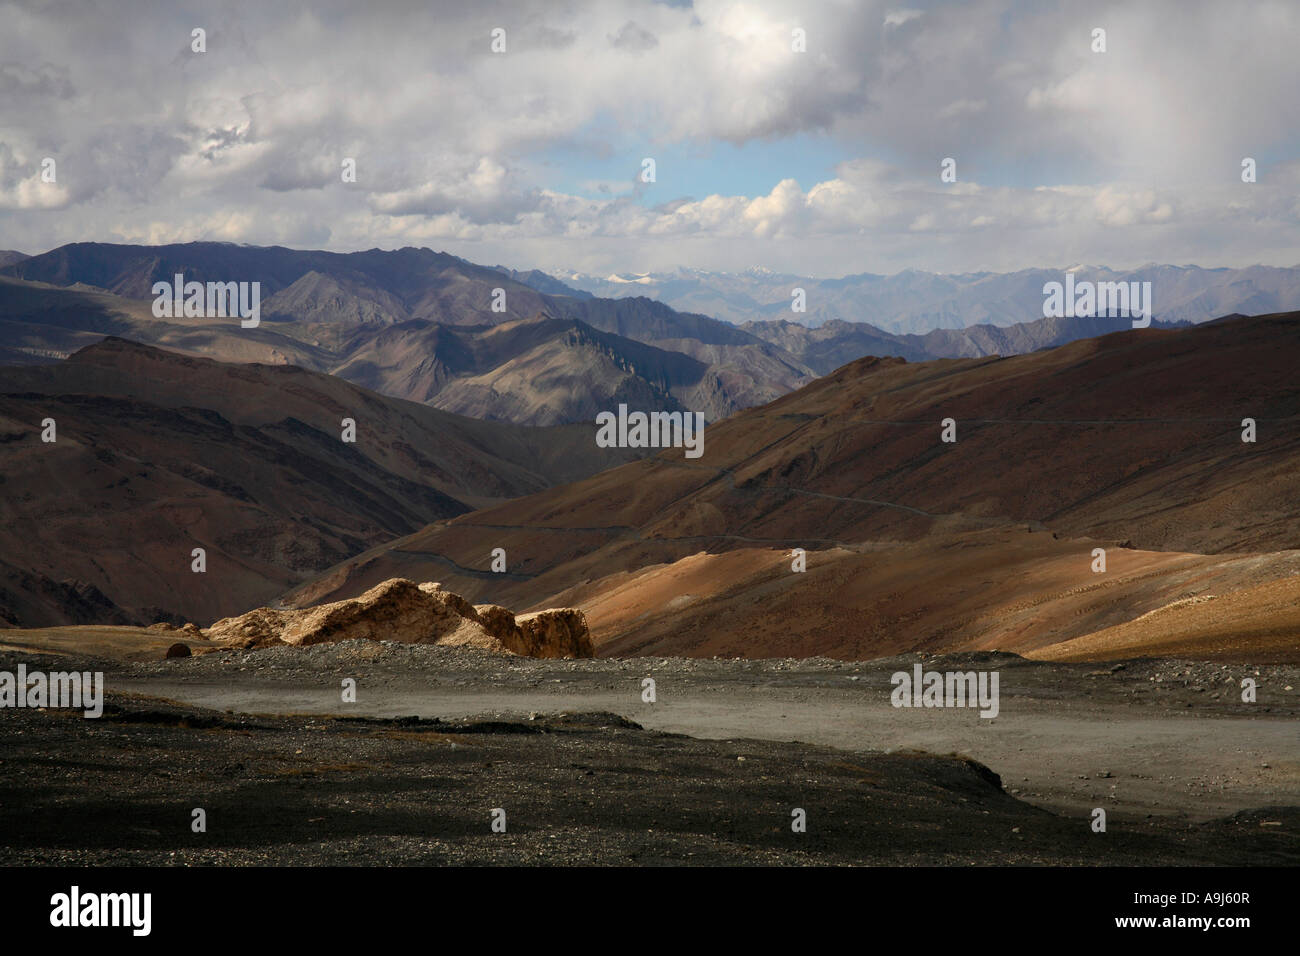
401, 610
189, 628
498, 621
555, 632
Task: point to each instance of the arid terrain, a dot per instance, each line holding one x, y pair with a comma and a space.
157, 453
589, 773
409, 323
913, 544
844, 443
1098, 535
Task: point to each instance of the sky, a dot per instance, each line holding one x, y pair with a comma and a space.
820, 161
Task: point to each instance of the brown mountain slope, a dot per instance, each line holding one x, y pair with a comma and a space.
1259, 623
486, 371
1133, 437
556, 382
1002, 589
42, 323
403, 322
159, 453
826, 347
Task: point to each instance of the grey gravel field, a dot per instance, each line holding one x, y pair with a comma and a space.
588, 772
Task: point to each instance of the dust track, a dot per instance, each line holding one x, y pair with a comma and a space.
1146, 737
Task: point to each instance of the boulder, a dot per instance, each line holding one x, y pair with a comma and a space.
555, 632
401, 610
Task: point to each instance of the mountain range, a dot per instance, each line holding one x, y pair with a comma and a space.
420, 325
832, 520
154, 454
1131, 442
915, 302
411, 323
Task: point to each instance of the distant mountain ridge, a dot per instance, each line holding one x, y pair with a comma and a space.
917, 302
157, 453
525, 347
836, 343
543, 282
408, 323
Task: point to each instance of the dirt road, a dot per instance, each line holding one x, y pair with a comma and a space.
1144, 737
786, 762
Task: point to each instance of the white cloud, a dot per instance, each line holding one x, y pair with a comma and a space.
896, 18
1062, 153
962, 108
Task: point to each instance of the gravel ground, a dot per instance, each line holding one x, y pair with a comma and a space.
576, 789
588, 773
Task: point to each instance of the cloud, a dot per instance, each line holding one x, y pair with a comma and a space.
1061, 153
484, 194
36, 82
23, 185
634, 38
962, 108
896, 18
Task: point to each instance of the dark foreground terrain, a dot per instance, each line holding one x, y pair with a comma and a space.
594, 787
